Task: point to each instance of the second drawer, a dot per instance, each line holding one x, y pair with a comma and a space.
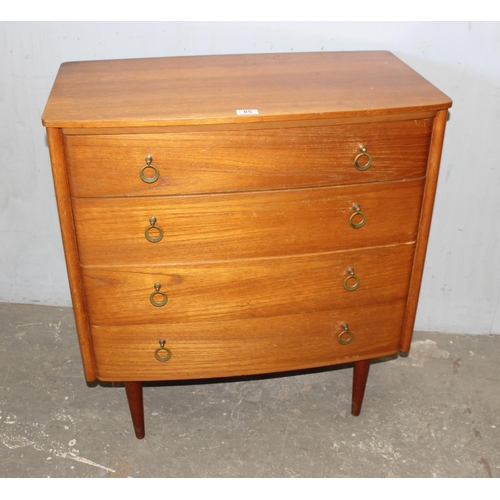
244, 225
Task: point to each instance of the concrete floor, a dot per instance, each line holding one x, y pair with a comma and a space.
435, 413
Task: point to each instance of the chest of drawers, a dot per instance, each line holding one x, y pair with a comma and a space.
235, 215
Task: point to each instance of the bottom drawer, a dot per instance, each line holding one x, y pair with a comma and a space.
246, 346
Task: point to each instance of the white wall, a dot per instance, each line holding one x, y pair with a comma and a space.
461, 288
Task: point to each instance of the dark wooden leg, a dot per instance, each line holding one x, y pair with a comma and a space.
361, 369
134, 396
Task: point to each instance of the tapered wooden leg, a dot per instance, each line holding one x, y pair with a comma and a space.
361, 369
135, 402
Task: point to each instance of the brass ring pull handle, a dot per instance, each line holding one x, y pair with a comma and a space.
363, 154
152, 297
346, 335
358, 212
353, 284
147, 234
142, 173
163, 353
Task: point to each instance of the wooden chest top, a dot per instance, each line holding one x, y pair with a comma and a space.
209, 90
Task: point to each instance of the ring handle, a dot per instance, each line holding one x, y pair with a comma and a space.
363, 154
357, 211
147, 234
159, 353
158, 303
352, 276
142, 172
342, 337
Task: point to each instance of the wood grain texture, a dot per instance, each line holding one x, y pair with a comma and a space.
226, 226
241, 160
424, 227
54, 137
218, 291
206, 90
247, 346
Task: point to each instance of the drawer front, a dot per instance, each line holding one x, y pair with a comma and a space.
272, 223
248, 346
241, 160
247, 288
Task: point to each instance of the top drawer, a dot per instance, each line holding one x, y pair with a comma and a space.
242, 160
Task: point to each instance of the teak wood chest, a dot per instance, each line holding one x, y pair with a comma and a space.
243, 214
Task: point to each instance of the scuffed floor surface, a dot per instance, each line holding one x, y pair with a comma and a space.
435, 413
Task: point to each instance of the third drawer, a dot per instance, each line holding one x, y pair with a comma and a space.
247, 288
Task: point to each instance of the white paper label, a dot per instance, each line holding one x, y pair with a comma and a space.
247, 111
